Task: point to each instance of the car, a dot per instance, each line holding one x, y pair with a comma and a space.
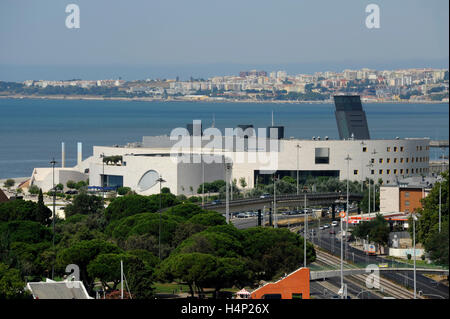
332, 232
216, 202
383, 265
326, 226
321, 228
334, 223
70, 192
241, 215
265, 196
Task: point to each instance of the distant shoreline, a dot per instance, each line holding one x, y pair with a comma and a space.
148, 99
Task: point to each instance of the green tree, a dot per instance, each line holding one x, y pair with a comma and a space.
242, 182
427, 226
84, 204
43, 213
194, 269
33, 190
9, 183
82, 253
71, 184
123, 190
11, 284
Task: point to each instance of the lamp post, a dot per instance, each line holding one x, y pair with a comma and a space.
368, 206
374, 186
440, 195
305, 231
298, 148
414, 218
103, 176
348, 159
228, 166
53, 162
275, 200
362, 170
160, 180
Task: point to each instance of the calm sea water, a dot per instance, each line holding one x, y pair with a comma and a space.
31, 131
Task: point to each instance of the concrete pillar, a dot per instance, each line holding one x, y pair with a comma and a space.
79, 153
63, 155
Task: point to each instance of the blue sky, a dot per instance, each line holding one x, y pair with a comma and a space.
165, 38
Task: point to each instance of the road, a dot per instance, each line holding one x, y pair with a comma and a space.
428, 286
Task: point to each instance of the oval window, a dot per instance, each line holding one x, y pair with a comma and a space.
148, 180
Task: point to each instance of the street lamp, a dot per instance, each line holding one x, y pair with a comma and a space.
362, 169
440, 194
53, 162
414, 218
298, 148
103, 176
348, 159
228, 166
160, 180
368, 206
374, 186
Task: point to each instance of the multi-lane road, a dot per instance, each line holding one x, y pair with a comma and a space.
429, 287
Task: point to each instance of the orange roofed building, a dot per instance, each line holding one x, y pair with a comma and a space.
293, 286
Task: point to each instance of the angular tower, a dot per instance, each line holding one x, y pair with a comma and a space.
351, 118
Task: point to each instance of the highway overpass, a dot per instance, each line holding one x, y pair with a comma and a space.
292, 201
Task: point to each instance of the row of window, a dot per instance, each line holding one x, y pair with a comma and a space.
397, 171
401, 148
402, 160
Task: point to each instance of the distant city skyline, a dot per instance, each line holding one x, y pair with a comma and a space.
150, 39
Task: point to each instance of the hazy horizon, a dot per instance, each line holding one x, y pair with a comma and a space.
201, 38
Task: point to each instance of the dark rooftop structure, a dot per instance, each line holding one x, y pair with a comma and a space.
351, 118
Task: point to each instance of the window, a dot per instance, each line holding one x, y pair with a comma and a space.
401, 160
402, 148
407, 171
388, 171
395, 160
364, 149
395, 148
380, 171
322, 155
395, 171
406, 202
412, 159
417, 159
407, 160
372, 160
355, 172
372, 171
401, 170
388, 149
420, 147
388, 160
407, 194
380, 161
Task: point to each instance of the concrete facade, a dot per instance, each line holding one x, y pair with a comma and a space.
391, 160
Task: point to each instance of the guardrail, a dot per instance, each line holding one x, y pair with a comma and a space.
281, 198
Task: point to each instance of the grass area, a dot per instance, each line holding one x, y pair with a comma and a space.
419, 262
169, 288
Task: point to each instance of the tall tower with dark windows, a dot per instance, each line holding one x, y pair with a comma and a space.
351, 118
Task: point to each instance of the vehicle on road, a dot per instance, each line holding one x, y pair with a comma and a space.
334, 223
241, 215
265, 196
332, 232
383, 265
370, 249
216, 202
321, 228
326, 226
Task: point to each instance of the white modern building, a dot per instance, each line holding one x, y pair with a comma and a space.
140, 167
